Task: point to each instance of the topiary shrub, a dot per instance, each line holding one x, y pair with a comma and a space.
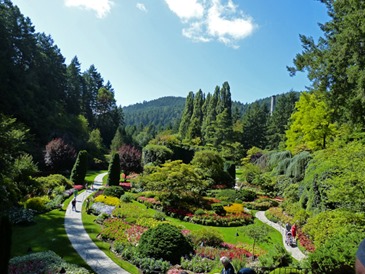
115, 191
114, 171
79, 169
165, 242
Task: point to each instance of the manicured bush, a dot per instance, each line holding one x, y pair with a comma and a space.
165, 242
127, 198
114, 170
159, 216
53, 181
115, 191
218, 209
199, 212
79, 169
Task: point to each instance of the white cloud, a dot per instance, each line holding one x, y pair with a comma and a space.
101, 7
186, 9
141, 7
218, 20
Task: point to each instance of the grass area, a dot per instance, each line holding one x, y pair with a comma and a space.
47, 233
91, 174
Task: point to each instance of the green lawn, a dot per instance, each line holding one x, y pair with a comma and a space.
47, 233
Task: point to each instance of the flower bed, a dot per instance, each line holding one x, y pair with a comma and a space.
217, 220
305, 241
78, 187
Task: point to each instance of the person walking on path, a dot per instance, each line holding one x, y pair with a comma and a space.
294, 231
293, 250
81, 242
73, 204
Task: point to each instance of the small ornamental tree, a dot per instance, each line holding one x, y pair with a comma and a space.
114, 171
79, 169
165, 242
59, 156
130, 160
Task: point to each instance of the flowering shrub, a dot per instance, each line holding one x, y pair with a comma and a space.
217, 220
305, 241
42, 262
134, 233
234, 208
78, 187
99, 208
108, 200
114, 229
152, 201
228, 250
125, 186
149, 222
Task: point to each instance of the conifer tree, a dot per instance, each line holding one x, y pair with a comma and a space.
186, 116
79, 169
208, 127
114, 170
194, 130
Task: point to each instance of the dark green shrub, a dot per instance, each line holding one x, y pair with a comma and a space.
19, 215
115, 191
165, 242
127, 198
199, 212
114, 171
218, 209
159, 216
79, 169
56, 202
52, 181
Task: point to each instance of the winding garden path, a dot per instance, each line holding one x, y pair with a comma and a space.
294, 251
81, 241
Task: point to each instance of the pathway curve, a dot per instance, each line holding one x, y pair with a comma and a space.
81, 241
294, 251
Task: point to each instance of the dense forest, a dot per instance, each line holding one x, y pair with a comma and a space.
308, 151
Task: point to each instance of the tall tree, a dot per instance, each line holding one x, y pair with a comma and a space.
186, 116
209, 120
114, 170
254, 126
130, 160
278, 121
74, 86
310, 126
195, 125
79, 169
336, 63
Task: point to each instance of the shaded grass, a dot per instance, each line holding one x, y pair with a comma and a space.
47, 233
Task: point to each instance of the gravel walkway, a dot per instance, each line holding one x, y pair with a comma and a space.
294, 251
81, 241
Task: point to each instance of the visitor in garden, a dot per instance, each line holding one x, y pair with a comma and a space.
75, 193
360, 259
294, 231
74, 204
227, 266
287, 227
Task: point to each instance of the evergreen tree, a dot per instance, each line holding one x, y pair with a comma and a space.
79, 169
208, 127
186, 116
254, 126
278, 121
118, 139
74, 87
114, 171
194, 129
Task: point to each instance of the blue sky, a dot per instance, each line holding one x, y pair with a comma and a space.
148, 49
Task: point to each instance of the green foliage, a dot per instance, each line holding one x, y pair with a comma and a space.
43, 262
156, 154
159, 216
114, 191
197, 264
232, 195
209, 237
176, 177
79, 169
114, 171
5, 241
53, 181
164, 242
277, 257
250, 172
311, 126
211, 165
297, 166
327, 224
337, 254
218, 209
37, 203
127, 198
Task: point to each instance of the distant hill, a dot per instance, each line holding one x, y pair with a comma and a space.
162, 112
165, 112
